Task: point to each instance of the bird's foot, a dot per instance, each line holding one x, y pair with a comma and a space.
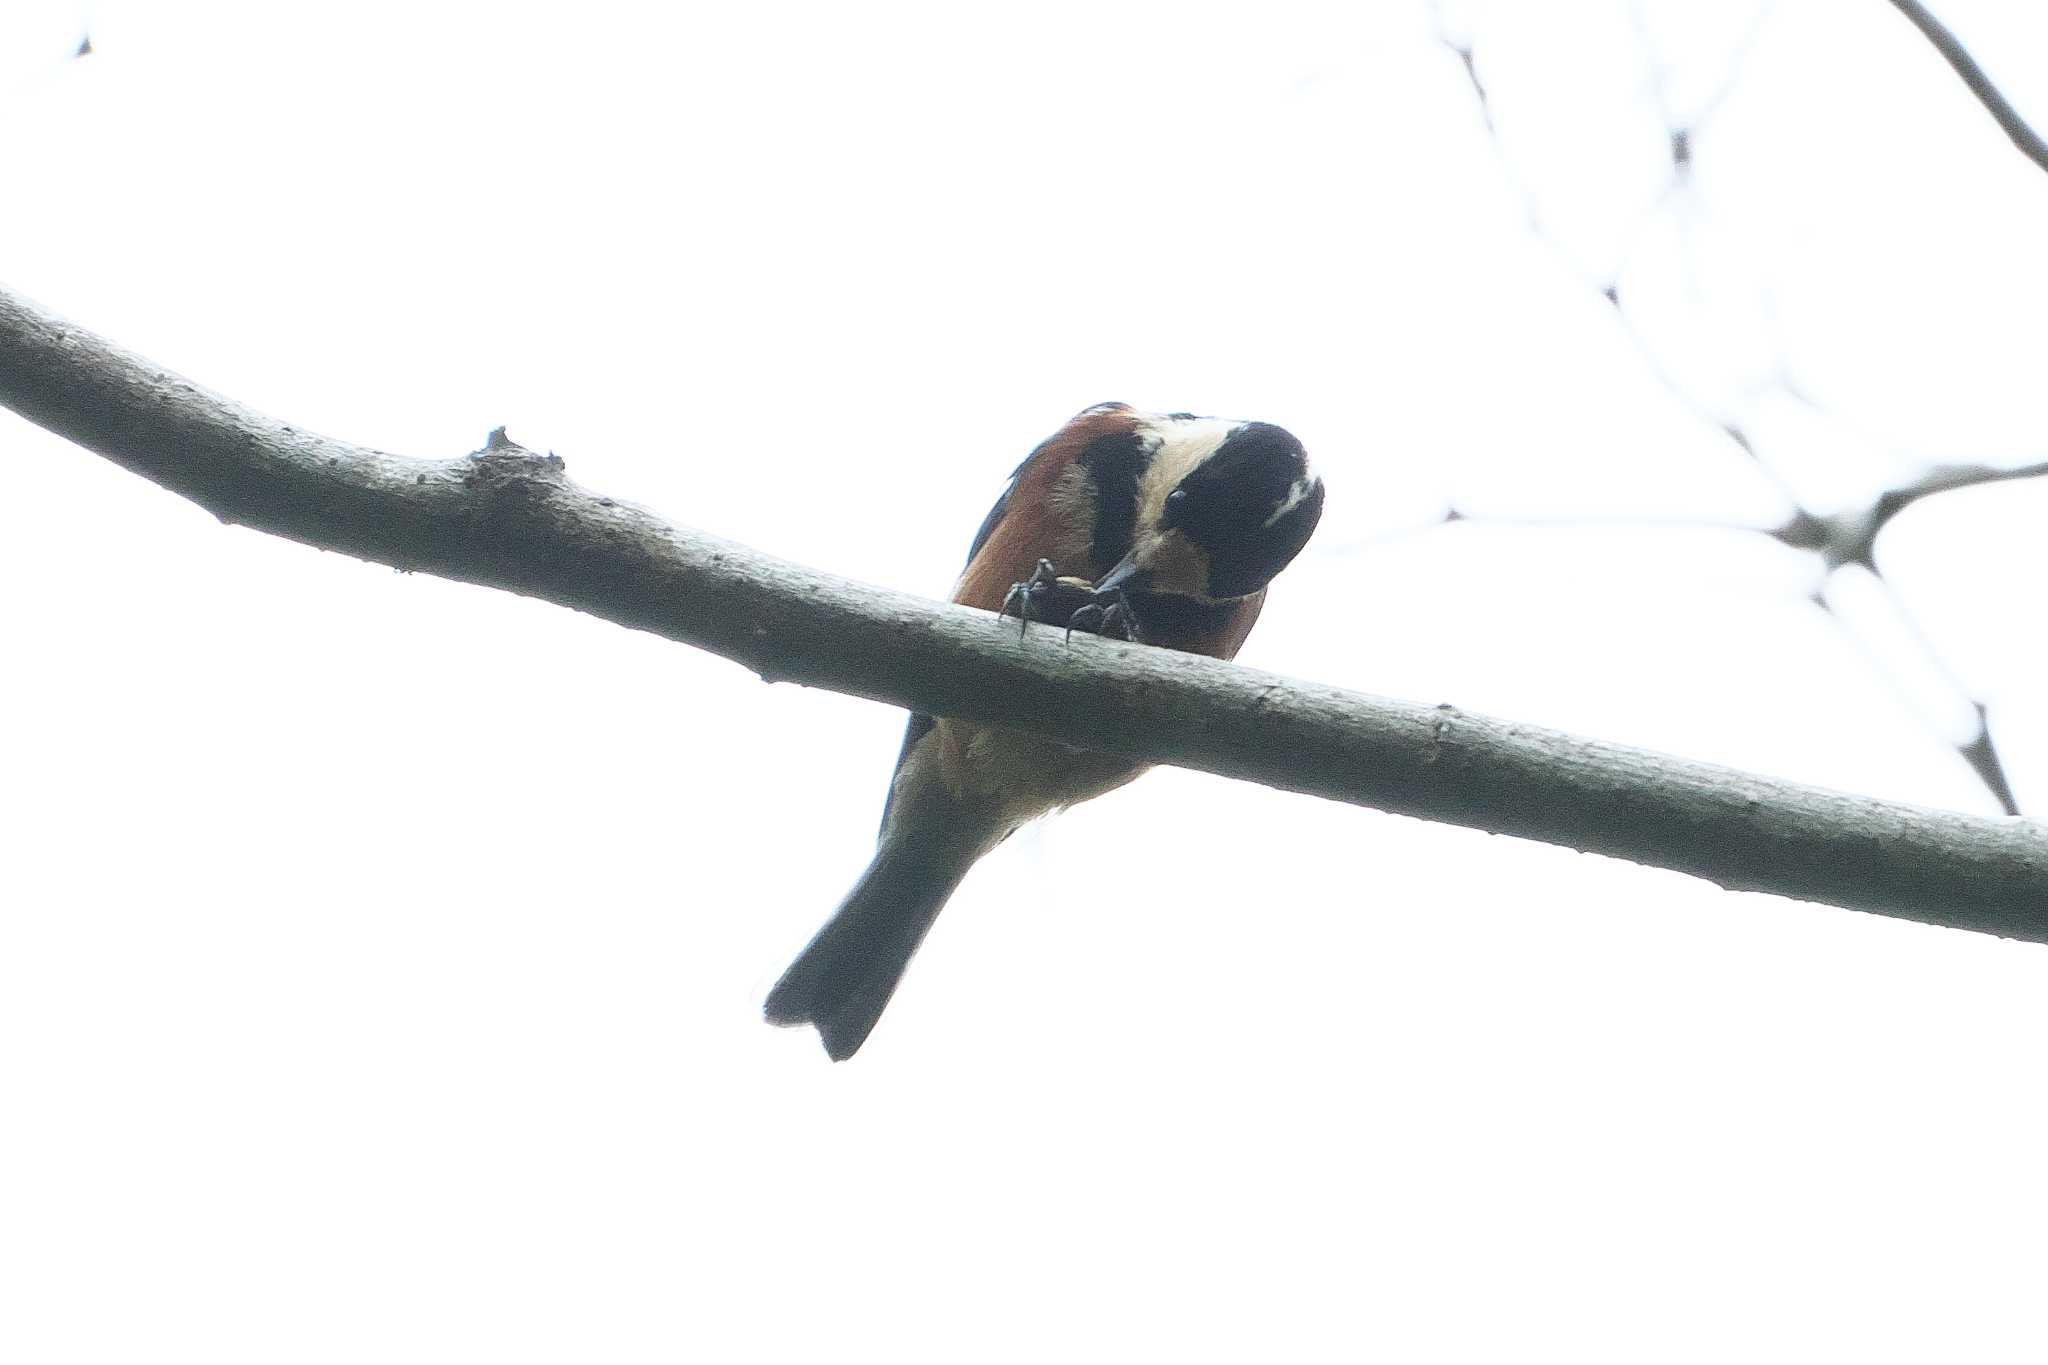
1030, 598
1114, 620
1050, 597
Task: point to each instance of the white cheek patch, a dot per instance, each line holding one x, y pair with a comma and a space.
1182, 444
1295, 494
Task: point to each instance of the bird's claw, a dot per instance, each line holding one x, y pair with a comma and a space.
1032, 590
1046, 595
1114, 620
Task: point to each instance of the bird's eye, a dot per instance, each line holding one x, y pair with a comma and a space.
1177, 495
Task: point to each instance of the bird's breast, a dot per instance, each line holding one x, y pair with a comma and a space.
1024, 774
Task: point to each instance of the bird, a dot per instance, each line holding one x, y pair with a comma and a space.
1160, 528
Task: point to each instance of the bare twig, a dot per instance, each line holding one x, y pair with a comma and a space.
1995, 103
507, 518
1979, 751
1850, 536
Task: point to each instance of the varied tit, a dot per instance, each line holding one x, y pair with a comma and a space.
1164, 529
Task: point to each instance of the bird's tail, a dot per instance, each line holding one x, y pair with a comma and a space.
844, 979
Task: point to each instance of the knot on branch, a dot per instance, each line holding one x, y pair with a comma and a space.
505, 465
1447, 716
515, 500
1839, 538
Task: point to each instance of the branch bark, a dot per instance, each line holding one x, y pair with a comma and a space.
506, 518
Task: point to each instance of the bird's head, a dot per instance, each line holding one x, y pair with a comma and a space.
1222, 507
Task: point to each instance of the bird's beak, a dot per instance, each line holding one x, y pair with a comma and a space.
1126, 570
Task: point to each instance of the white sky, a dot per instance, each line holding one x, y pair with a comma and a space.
380, 958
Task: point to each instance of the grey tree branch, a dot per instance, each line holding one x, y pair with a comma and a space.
507, 518
1995, 103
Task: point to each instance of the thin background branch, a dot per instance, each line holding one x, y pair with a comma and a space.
1995, 103
1847, 537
